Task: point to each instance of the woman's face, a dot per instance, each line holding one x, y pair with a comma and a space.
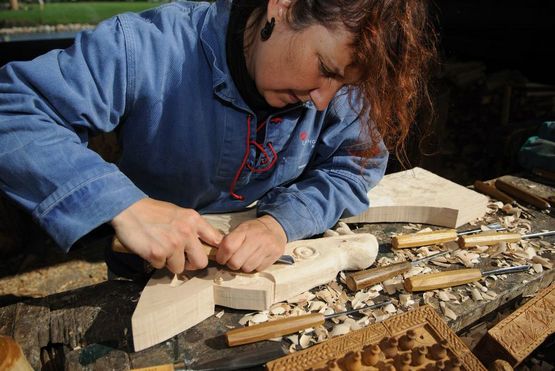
292, 66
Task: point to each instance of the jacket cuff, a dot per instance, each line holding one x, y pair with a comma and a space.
76, 209
293, 212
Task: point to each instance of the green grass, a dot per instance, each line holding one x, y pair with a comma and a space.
64, 13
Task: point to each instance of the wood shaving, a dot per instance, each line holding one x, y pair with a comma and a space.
447, 312
302, 298
538, 268
546, 263
219, 314
330, 233
406, 300
340, 329
476, 295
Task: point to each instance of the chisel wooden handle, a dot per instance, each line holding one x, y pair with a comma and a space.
440, 280
117, 246
491, 191
487, 239
272, 329
422, 239
359, 280
522, 194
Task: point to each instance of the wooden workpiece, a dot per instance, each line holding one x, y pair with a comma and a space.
517, 335
90, 327
415, 340
170, 305
420, 196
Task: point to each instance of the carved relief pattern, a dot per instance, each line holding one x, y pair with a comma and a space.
526, 328
424, 321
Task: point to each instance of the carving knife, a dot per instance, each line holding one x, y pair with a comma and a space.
362, 279
210, 251
440, 280
285, 326
491, 238
404, 241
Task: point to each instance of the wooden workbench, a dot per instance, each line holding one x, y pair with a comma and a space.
89, 328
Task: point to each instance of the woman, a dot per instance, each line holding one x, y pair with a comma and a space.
217, 105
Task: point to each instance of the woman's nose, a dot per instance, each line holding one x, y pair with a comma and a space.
322, 96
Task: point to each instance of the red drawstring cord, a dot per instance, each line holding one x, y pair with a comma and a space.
244, 163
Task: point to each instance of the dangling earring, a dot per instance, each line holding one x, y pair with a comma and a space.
267, 30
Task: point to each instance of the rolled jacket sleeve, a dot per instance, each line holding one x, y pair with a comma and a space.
335, 183
48, 107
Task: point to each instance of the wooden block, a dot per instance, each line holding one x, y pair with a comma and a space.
517, 335
419, 196
169, 306
415, 340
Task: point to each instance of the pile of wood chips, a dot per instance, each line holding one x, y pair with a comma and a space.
336, 297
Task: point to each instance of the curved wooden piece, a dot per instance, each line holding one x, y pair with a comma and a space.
168, 307
420, 196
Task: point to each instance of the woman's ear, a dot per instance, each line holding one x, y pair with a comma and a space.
278, 9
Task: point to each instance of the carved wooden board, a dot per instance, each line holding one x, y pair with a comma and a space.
170, 305
415, 340
517, 335
419, 196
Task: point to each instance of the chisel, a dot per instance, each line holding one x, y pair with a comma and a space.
490, 190
210, 251
285, 326
492, 238
440, 280
404, 241
359, 280
522, 194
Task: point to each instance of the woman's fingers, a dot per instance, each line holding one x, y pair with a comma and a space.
195, 256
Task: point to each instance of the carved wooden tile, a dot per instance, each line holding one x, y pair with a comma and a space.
517, 335
415, 340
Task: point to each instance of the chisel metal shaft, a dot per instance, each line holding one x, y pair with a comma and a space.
440, 280
359, 280
285, 326
493, 238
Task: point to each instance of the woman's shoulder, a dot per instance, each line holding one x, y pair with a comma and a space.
175, 18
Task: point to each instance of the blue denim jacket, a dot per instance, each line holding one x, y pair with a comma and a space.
161, 78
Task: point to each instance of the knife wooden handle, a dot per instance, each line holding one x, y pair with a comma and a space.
404, 241
491, 191
359, 280
117, 246
440, 280
522, 194
272, 329
487, 239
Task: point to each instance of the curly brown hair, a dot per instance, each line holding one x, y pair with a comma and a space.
394, 45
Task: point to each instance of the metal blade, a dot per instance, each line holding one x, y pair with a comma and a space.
493, 226
377, 305
236, 362
518, 268
538, 234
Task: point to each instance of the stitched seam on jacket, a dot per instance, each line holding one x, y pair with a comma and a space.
70, 192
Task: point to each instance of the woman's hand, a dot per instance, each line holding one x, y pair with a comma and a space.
165, 234
253, 245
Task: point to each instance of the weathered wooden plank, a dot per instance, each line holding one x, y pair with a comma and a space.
31, 329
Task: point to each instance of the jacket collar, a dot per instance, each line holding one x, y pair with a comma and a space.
213, 39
